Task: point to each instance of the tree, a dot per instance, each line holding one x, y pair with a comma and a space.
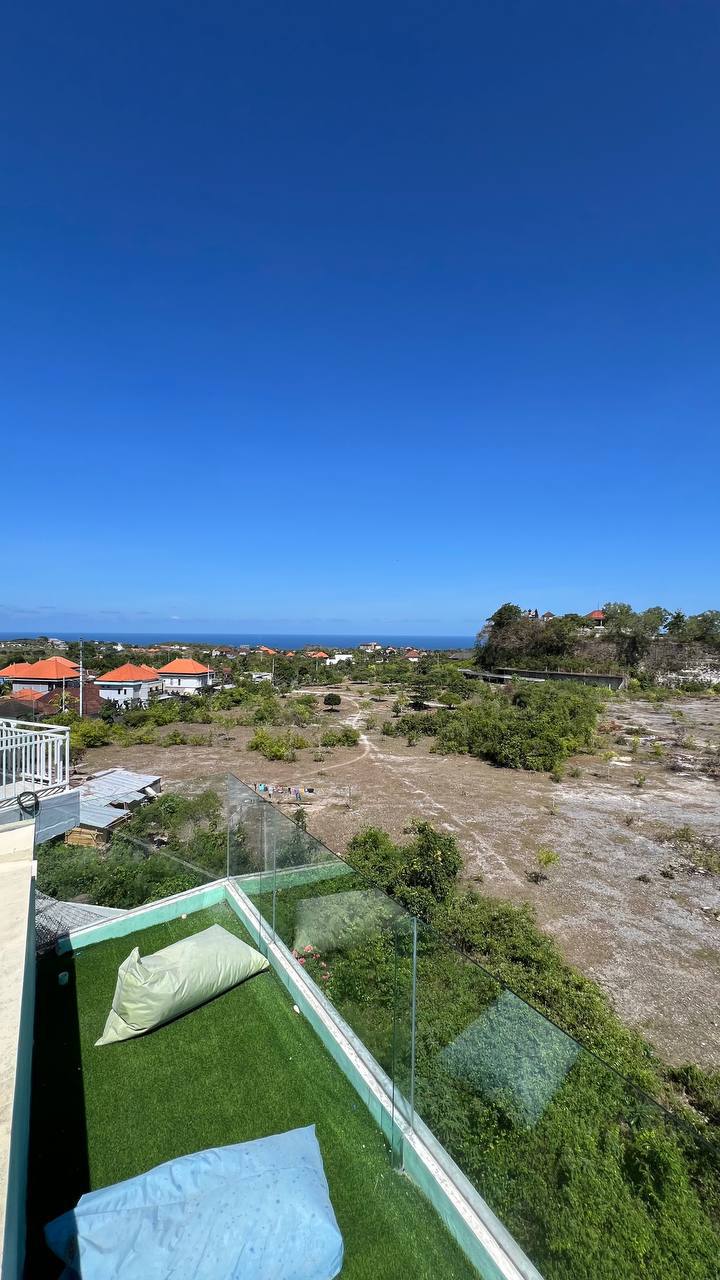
704, 628
332, 701
633, 633
505, 614
677, 623
423, 688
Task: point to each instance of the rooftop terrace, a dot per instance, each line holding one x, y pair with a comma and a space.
539, 1158
244, 1066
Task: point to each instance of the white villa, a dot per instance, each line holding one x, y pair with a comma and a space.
40, 677
184, 675
129, 683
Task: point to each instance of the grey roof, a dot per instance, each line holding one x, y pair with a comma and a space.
55, 919
112, 783
105, 796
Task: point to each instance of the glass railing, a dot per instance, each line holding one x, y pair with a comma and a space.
590, 1175
125, 864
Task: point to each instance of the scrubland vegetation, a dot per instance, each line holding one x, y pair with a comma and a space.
522, 726
601, 1183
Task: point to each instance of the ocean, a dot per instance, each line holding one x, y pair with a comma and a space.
219, 638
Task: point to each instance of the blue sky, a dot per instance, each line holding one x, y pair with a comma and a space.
337, 316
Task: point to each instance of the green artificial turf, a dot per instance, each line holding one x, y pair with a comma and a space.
241, 1067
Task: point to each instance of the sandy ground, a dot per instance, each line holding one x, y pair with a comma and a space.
652, 944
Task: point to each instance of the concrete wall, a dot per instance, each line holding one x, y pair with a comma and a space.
17, 1008
575, 677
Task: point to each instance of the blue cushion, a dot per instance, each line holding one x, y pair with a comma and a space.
254, 1211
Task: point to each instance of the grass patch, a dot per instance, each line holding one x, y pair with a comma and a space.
239, 1068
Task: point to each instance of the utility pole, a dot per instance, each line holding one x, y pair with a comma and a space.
81, 679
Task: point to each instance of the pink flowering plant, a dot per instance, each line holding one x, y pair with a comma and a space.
313, 963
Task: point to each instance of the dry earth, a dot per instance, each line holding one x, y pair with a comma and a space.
651, 943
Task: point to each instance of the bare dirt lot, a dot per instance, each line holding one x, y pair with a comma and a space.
626, 903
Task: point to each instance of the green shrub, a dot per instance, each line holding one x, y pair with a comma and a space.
277, 746
528, 726
89, 733
344, 736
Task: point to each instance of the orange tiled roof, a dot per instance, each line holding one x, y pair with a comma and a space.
28, 695
596, 613
318, 653
183, 667
130, 672
51, 669
16, 669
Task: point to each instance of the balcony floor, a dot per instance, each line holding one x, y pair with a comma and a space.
241, 1067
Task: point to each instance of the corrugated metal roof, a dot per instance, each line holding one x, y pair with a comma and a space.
113, 783
103, 797
101, 816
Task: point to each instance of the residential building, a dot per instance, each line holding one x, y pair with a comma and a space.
338, 658
129, 683
596, 618
49, 673
184, 676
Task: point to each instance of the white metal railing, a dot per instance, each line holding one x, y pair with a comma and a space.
33, 757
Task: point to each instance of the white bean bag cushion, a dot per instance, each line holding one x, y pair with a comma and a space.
181, 977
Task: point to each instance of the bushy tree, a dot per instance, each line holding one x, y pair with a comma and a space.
633, 633
420, 873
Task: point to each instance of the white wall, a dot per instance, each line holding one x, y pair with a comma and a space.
42, 686
128, 691
186, 684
